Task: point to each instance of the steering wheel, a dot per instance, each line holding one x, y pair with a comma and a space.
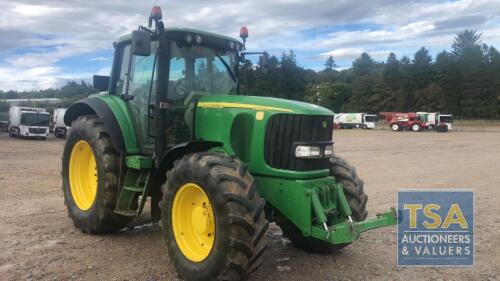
180, 86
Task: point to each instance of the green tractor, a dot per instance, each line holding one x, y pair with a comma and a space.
171, 124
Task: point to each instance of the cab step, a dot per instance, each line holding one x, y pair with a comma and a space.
135, 190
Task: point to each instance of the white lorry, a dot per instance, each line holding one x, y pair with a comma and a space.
355, 120
28, 122
60, 129
446, 119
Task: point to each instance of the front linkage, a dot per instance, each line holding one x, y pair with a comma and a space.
319, 208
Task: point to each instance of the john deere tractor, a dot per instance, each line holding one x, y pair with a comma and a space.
171, 124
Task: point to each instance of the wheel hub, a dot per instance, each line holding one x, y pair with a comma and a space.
83, 175
193, 222
200, 220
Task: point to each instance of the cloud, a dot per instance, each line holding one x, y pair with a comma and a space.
98, 59
44, 34
353, 53
343, 53
34, 10
33, 78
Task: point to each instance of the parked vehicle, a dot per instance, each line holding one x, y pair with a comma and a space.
218, 165
59, 128
419, 121
28, 122
4, 122
355, 120
404, 121
433, 119
446, 119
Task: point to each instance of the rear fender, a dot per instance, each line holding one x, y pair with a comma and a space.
116, 116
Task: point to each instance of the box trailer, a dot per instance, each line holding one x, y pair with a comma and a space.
28, 122
60, 129
355, 120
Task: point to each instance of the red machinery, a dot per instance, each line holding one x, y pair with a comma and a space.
399, 121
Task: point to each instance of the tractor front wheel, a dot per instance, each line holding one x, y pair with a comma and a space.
90, 172
213, 221
356, 197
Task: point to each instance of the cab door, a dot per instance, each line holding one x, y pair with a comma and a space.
141, 95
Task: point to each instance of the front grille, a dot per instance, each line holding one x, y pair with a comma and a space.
37, 130
285, 129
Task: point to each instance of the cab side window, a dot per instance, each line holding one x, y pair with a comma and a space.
125, 59
141, 76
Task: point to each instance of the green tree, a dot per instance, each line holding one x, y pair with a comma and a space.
471, 60
392, 74
422, 71
369, 95
332, 95
12, 95
291, 79
448, 77
330, 63
363, 65
465, 41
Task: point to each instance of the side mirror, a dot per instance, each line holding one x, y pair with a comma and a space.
101, 83
264, 63
141, 43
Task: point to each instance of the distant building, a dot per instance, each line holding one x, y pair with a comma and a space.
42, 100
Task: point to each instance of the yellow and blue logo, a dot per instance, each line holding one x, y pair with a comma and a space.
437, 228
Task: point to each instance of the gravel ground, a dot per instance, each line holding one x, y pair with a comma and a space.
39, 241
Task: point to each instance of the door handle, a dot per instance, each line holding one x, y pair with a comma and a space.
151, 110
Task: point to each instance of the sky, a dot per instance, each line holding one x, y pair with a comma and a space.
43, 44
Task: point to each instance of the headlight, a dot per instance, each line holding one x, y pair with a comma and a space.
329, 150
307, 151
189, 38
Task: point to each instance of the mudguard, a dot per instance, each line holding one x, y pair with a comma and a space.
116, 116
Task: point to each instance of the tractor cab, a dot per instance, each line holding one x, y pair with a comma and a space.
163, 72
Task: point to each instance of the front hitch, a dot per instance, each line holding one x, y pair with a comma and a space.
348, 231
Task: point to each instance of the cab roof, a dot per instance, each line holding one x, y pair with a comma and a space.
186, 30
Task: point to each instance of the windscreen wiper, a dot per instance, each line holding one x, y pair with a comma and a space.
227, 67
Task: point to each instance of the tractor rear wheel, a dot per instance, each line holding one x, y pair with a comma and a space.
213, 219
90, 172
395, 127
356, 197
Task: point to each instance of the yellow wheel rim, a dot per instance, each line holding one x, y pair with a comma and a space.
83, 175
193, 222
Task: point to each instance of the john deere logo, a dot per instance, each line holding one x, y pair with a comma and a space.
325, 124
